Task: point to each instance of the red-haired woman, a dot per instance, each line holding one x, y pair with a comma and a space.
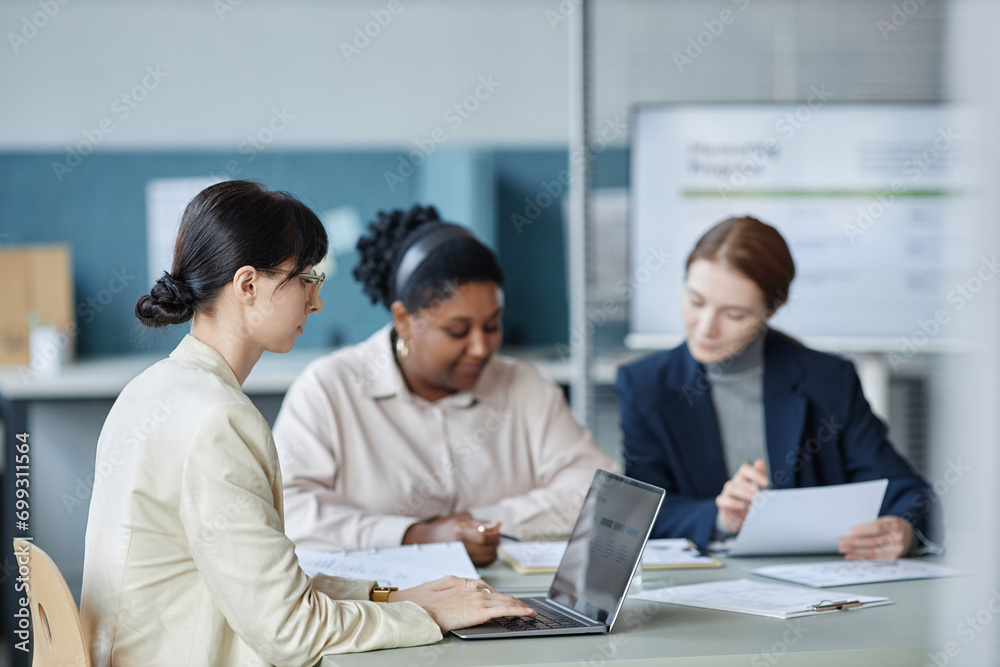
736, 392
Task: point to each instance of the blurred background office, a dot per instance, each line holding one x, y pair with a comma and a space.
116, 113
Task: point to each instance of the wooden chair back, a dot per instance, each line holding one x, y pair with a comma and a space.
57, 633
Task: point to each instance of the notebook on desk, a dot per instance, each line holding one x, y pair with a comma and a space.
597, 567
659, 554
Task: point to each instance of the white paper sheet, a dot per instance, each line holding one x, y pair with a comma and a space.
847, 572
752, 597
806, 521
403, 566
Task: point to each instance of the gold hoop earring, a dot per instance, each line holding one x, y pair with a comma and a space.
402, 349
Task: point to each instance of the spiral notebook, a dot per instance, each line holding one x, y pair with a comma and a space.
403, 566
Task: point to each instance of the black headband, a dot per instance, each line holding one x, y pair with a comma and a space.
420, 250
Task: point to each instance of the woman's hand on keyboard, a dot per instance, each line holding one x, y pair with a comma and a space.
454, 602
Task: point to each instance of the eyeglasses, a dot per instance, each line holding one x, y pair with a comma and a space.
313, 280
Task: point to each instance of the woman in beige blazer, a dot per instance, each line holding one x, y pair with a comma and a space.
186, 558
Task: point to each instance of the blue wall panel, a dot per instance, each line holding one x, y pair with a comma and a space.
99, 209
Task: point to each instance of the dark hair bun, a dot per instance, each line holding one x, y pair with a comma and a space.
171, 301
380, 249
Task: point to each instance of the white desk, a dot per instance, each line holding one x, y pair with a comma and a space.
650, 633
106, 377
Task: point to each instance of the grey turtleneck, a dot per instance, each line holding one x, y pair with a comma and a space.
738, 395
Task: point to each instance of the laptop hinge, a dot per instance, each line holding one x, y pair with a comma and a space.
572, 612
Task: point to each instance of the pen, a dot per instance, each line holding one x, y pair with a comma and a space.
827, 606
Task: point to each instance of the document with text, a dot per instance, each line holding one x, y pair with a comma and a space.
659, 554
848, 572
402, 566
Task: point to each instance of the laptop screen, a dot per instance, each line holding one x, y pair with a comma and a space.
605, 546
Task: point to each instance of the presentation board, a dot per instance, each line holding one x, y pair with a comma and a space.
864, 194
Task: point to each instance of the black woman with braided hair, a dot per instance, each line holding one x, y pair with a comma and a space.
424, 433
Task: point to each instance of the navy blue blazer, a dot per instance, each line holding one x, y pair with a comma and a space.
819, 427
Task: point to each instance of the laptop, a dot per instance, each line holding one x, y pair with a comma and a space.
596, 570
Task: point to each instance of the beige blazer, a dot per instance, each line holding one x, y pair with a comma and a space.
186, 558
363, 458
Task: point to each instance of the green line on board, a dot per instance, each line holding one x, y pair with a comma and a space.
887, 192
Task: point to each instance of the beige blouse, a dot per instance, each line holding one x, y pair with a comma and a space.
186, 559
363, 458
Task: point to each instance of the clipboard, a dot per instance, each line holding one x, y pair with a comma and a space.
659, 554
760, 599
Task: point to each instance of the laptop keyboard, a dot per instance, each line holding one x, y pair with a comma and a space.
547, 619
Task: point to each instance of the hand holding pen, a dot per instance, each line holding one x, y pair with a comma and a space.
480, 538
738, 493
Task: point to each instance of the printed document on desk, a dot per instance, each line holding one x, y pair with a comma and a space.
662, 553
753, 597
788, 522
848, 572
402, 566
